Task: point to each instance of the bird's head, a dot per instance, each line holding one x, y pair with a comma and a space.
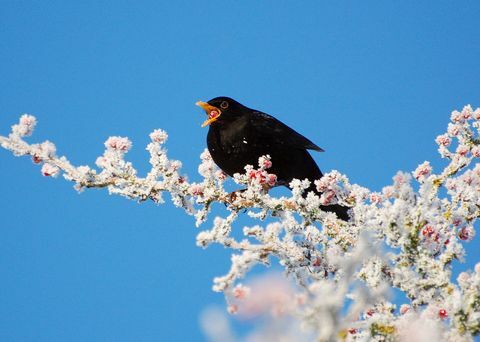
220, 109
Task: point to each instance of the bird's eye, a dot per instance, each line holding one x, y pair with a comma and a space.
224, 105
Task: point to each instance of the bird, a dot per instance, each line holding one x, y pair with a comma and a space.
238, 136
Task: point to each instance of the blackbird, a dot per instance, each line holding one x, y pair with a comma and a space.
238, 136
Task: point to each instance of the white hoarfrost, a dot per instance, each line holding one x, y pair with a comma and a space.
404, 237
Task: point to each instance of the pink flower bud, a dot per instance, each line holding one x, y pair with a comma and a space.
443, 140
232, 309
404, 309
422, 171
118, 144
241, 292
196, 190
159, 136
466, 233
50, 170
271, 179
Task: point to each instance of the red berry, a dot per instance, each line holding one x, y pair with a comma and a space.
442, 313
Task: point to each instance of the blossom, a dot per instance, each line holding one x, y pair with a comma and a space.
120, 144
50, 170
404, 237
443, 140
159, 136
422, 171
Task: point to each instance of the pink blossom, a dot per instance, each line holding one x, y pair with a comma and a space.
463, 278
476, 114
462, 150
118, 144
196, 190
221, 175
443, 140
404, 308
232, 309
388, 191
50, 170
453, 129
264, 162
466, 233
25, 126
327, 197
477, 268
48, 149
401, 178
467, 112
476, 151
422, 171
271, 179
159, 136
457, 117
430, 233
241, 292
375, 198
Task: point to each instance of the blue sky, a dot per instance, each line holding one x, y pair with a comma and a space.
373, 84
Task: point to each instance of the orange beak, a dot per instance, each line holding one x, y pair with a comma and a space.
212, 112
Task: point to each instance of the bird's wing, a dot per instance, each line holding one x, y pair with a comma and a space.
271, 129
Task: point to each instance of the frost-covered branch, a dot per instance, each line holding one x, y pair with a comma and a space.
405, 236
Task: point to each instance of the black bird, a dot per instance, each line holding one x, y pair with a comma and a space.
238, 136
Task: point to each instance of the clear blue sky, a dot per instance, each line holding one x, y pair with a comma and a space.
372, 83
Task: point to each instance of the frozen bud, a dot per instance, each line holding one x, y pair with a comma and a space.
476, 151
196, 190
443, 140
467, 112
463, 278
48, 149
271, 179
476, 114
456, 117
375, 198
388, 191
462, 150
401, 178
101, 162
453, 130
50, 170
241, 292
327, 197
175, 165
442, 313
264, 162
25, 126
404, 309
466, 233
422, 171
121, 144
221, 175
232, 309
205, 155
159, 136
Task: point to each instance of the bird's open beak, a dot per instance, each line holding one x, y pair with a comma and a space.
212, 112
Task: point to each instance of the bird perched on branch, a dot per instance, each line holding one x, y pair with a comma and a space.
238, 136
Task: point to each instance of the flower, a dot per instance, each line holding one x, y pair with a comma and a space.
159, 136
422, 171
50, 170
120, 144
